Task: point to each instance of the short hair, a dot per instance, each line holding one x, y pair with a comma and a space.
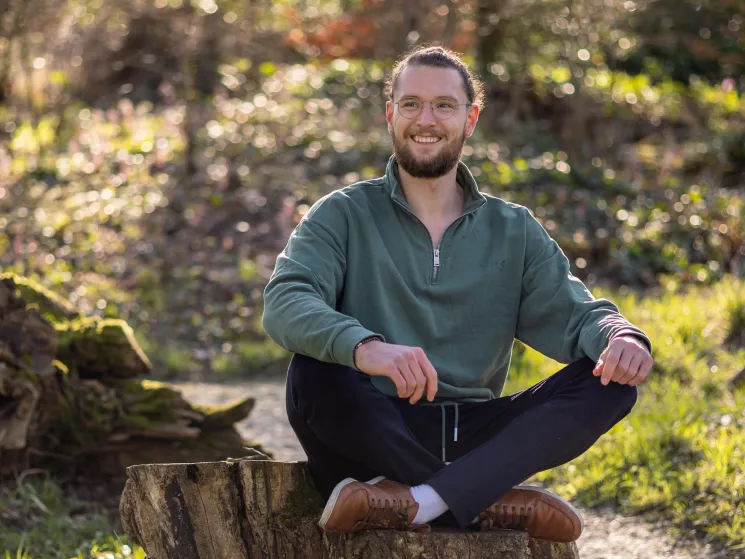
438, 57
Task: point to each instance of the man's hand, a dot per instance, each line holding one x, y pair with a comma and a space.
407, 367
625, 360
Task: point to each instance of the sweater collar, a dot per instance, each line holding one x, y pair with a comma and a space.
472, 199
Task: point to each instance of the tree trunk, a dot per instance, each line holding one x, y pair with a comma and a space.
490, 17
451, 23
259, 508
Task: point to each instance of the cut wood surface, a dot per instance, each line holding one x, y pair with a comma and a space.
267, 509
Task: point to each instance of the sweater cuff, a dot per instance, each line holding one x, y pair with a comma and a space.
345, 343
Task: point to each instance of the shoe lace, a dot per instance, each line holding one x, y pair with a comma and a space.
385, 513
506, 516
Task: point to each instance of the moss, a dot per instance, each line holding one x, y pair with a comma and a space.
66, 433
106, 330
137, 422
51, 306
150, 393
226, 415
101, 348
303, 502
61, 367
146, 403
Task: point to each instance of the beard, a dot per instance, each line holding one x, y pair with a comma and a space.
432, 167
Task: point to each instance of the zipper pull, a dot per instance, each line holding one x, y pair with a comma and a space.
437, 257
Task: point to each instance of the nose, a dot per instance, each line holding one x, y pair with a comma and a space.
426, 116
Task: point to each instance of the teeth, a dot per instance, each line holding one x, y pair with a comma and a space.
426, 139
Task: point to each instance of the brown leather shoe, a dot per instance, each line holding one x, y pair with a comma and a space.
537, 511
378, 505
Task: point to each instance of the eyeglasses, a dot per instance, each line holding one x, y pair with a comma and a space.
442, 108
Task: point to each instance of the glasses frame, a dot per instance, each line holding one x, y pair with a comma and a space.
430, 106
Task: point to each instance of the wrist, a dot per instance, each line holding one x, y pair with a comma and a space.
636, 337
362, 343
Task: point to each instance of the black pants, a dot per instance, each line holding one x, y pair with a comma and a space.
348, 428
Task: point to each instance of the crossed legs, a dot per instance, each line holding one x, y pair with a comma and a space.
350, 429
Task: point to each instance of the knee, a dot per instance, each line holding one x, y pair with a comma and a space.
616, 399
612, 397
322, 386
310, 377
626, 396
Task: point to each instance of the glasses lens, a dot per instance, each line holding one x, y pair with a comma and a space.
410, 109
443, 111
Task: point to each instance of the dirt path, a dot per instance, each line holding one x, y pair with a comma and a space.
607, 535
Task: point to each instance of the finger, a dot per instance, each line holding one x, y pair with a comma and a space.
397, 379
431, 374
632, 370
409, 377
644, 371
407, 384
609, 369
600, 363
421, 382
598, 370
624, 366
648, 366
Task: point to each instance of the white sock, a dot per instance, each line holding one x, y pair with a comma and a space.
431, 504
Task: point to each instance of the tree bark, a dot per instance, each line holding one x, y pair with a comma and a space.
260, 508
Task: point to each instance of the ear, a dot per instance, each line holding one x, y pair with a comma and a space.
389, 115
471, 119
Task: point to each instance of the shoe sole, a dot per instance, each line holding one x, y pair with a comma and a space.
331, 503
555, 496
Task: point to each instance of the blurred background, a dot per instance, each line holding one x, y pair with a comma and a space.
156, 154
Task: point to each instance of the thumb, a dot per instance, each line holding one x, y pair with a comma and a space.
598, 370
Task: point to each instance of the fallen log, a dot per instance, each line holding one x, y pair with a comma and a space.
259, 508
71, 402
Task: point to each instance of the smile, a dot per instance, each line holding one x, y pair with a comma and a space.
425, 139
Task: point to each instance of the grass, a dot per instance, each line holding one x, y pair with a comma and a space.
39, 519
679, 456
735, 312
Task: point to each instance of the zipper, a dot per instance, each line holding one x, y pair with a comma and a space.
436, 249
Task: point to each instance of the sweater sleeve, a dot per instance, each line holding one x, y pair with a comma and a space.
558, 315
302, 295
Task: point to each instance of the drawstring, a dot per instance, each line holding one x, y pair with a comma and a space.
442, 444
455, 429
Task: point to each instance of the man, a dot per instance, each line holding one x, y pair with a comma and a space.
401, 298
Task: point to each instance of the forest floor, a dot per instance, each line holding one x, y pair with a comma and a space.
607, 534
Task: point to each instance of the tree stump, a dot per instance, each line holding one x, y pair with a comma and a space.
266, 509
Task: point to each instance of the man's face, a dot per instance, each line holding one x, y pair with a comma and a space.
427, 146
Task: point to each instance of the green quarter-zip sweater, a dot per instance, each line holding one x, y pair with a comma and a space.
361, 263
